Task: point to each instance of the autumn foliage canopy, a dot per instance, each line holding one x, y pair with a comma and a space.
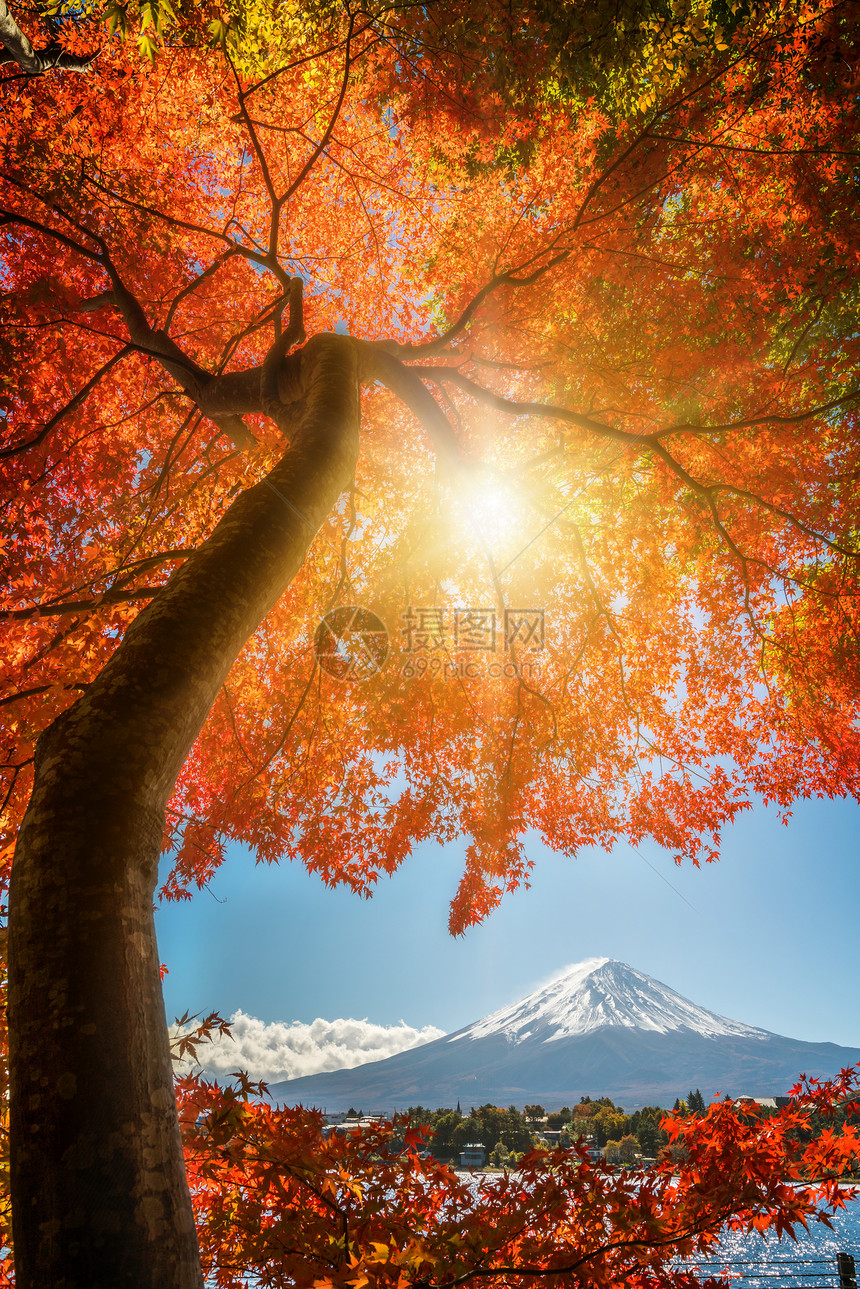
638, 330
596, 278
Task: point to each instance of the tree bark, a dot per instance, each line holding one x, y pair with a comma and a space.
16, 48
99, 1192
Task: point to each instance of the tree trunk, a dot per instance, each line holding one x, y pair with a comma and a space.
99, 1192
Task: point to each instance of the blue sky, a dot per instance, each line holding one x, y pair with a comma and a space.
772, 937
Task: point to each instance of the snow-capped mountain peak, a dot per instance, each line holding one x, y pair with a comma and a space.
600, 1028
600, 993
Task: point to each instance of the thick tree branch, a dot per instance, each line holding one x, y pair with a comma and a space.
149, 339
38, 689
324, 141
115, 594
376, 363
156, 343
452, 376
269, 372
240, 392
510, 278
16, 181
786, 515
767, 418
73, 404
35, 62
761, 152
12, 217
196, 282
652, 442
55, 609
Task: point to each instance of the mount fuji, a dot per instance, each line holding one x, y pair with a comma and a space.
600, 1029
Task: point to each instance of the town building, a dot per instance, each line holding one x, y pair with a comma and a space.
473, 1155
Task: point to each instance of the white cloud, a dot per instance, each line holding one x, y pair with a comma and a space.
276, 1051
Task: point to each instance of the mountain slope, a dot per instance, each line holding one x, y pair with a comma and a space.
602, 1028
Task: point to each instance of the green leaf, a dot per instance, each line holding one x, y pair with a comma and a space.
147, 46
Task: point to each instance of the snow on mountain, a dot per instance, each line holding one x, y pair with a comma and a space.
600, 992
599, 1029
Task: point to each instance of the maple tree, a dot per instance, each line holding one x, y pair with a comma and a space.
438, 314
277, 1199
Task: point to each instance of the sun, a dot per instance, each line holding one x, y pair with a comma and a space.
486, 504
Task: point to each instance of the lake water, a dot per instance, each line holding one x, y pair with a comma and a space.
767, 1263
758, 1263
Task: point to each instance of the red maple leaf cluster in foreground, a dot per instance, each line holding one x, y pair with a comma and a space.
278, 1200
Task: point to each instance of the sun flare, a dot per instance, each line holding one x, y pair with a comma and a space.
488, 506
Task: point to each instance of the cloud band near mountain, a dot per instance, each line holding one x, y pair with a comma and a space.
277, 1050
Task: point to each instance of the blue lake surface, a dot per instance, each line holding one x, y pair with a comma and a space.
763, 1262
756, 1262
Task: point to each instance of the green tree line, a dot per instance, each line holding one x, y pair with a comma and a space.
507, 1133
